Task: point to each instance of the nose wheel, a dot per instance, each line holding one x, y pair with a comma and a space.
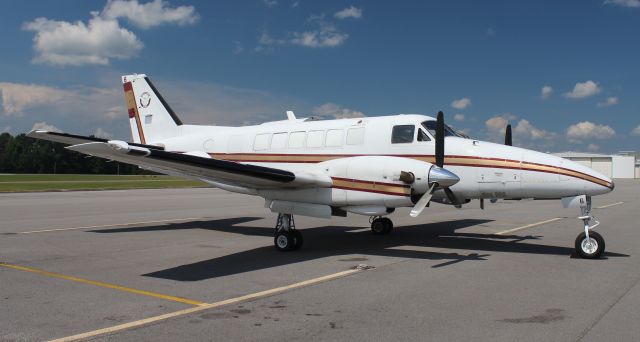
590, 247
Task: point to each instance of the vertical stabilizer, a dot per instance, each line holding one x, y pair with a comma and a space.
150, 116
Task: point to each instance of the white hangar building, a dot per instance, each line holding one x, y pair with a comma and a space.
622, 165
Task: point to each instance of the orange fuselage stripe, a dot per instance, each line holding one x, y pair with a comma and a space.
468, 161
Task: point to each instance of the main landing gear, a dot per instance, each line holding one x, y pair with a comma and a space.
287, 237
589, 245
381, 225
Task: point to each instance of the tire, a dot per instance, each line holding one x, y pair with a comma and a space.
589, 252
378, 226
388, 225
298, 238
284, 241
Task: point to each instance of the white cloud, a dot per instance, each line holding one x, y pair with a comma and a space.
583, 90
16, 97
101, 133
496, 126
270, 3
624, 3
45, 126
588, 130
102, 38
610, 101
593, 147
324, 35
65, 43
6, 129
336, 111
461, 103
459, 117
150, 14
546, 92
636, 131
524, 129
349, 12
20, 99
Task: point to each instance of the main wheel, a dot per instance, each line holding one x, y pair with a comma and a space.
284, 241
591, 248
388, 225
298, 238
378, 226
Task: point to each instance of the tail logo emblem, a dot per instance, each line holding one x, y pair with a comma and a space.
145, 100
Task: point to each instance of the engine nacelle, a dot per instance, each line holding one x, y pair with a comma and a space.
382, 169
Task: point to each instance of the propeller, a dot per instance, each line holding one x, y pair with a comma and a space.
439, 177
507, 136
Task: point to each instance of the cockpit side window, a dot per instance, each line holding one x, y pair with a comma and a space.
422, 136
402, 134
448, 131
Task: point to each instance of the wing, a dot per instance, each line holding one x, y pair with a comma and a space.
72, 139
221, 173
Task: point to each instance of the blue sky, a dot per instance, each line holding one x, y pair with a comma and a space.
563, 73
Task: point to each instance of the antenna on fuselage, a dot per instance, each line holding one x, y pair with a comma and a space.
291, 116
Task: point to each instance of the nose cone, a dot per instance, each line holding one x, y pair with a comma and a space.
595, 183
443, 177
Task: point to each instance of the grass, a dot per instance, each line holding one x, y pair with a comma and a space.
29, 183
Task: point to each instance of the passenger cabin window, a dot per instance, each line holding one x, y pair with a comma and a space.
315, 139
279, 141
334, 138
296, 139
402, 134
355, 136
422, 136
261, 142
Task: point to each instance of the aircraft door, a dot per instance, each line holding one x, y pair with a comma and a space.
501, 182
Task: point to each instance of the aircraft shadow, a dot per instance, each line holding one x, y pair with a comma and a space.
328, 241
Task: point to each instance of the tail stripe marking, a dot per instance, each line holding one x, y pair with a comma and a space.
133, 109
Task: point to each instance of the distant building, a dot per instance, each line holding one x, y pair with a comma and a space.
625, 164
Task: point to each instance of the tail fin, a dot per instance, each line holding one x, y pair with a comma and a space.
150, 116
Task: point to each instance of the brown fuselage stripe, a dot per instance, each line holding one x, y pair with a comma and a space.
132, 108
369, 186
468, 161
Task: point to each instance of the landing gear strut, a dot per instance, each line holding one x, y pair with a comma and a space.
381, 225
589, 245
287, 237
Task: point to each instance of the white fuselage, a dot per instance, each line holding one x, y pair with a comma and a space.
363, 162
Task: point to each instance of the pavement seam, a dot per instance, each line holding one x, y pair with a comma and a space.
102, 284
235, 300
606, 311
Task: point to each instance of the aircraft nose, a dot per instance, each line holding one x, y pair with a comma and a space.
443, 177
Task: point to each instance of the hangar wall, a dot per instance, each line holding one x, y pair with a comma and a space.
613, 166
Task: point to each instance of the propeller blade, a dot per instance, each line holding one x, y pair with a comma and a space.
482, 203
440, 139
507, 136
452, 198
422, 203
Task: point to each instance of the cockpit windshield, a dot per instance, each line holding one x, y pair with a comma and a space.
448, 131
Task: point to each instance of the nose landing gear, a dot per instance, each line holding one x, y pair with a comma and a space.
589, 245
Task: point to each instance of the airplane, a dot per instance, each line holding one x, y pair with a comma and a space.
322, 168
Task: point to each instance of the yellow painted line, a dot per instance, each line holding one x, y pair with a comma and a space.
235, 300
110, 225
101, 284
529, 226
609, 205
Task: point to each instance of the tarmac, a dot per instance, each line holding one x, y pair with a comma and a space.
199, 264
